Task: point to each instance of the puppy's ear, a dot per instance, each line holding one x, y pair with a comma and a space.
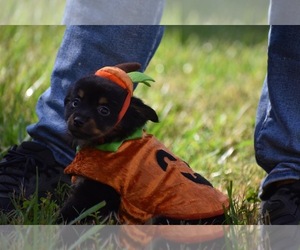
144, 111
129, 67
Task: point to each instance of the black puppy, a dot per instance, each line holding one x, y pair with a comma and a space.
101, 110
92, 106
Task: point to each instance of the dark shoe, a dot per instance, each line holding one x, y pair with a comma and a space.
19, 170
283, 206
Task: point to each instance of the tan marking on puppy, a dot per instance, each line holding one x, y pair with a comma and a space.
102, 101
80, 93
92, 128
70, 120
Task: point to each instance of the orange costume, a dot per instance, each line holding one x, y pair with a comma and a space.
149, 178
151, 181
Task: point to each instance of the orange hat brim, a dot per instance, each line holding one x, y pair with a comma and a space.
121, 78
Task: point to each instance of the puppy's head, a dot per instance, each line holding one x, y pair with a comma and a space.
95, 109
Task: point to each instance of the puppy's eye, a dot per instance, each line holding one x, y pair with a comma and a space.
75, 102
103, 110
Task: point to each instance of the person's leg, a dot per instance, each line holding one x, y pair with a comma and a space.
116, 12
284, 12
277, 133
84, 50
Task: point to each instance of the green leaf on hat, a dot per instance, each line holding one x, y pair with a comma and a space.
137, 76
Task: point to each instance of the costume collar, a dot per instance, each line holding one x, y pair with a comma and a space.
114, 146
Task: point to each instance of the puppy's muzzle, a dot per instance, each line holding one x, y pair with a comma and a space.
83, 127
79, 121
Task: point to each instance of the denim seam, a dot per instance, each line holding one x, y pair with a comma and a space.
257, 145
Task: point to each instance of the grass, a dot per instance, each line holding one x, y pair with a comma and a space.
31, 12
215, 12
44, 12
208, 81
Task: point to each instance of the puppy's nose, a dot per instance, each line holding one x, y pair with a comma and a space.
79, 121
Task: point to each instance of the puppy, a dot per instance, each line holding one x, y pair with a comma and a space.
140, 180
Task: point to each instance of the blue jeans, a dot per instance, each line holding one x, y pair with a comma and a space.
85, 49
113, 12
277, 133
284, 12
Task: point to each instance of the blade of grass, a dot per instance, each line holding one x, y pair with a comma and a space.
88, 212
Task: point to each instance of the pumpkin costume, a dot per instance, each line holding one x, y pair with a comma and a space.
151, 181
149, 178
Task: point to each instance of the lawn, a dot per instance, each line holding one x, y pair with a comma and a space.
178, 12
208, 82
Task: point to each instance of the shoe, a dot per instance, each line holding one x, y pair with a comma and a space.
283, 206
19, 170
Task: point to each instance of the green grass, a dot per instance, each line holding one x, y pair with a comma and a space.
208, 81
45, 12
215, 12
31, 12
